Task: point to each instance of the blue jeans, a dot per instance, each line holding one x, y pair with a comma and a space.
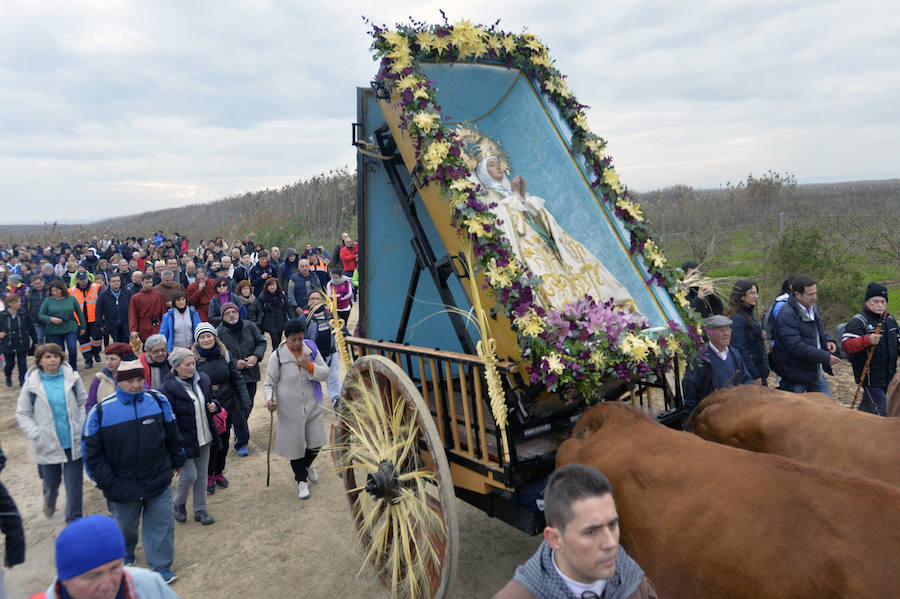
68, 342
158, 527
39, 332
821, 386
874, 401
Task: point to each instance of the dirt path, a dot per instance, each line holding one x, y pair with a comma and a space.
266, 542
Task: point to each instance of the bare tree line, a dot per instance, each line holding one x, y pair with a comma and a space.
317, 209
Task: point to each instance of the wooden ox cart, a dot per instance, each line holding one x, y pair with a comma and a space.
438, 402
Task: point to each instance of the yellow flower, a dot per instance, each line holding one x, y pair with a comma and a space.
394, 38
469, 39
598, 359
494, 42
635, 347
530, 324
611, 178
498, 276
681, 297
630, 207
475, 225
401, 56
596, 146
408, 82
558, 85
673, 344
420, 92
435, 154
581, 120
426, 120
509, 43
653, 255
427, 40
462, 185
457, 199
542, 60
554, 363
532, 41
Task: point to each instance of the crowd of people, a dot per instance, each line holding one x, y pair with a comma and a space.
177, 336
790, 340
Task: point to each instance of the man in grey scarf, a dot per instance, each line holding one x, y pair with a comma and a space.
580, 557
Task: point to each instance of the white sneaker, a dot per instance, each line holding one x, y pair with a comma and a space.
311, 474
303, 490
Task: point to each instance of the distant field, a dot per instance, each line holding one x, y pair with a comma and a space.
735, 233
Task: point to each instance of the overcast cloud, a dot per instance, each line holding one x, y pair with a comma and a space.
110, 108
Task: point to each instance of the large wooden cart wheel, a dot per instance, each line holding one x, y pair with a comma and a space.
397, 480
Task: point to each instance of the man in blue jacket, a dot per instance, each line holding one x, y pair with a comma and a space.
803, 350
132, 448
718, 367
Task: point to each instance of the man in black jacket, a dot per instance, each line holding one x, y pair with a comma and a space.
860, 340
112, 307
248, 346
803, 350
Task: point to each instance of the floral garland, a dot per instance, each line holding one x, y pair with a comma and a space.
573, 349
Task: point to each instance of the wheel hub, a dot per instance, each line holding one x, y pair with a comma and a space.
384, 483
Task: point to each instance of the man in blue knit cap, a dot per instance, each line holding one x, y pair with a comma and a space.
90, 564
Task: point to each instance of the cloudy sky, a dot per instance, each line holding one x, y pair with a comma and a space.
115, 107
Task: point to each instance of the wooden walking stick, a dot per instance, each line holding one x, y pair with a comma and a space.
865, 369
269, 448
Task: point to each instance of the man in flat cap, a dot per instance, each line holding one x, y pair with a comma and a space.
718, 366
132, 448
861, 340
90, 564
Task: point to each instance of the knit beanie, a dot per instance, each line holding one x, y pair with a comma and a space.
178, 355
205, 327
230, 306
87, 543
876, 290
132, 369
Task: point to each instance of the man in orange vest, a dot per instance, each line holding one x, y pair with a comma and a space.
86, 294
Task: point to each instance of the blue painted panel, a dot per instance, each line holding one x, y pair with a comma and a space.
389, 261
537, 141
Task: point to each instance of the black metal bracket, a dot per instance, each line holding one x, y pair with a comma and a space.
439, 269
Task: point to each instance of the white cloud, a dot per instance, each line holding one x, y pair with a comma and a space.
112, 107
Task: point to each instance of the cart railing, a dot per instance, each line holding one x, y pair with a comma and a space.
455, 390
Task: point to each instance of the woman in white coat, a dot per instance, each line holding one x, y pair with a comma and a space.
50, 411
293, 386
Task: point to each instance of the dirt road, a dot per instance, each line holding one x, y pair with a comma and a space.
265, 542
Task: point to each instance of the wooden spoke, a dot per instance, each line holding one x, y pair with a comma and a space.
402, 503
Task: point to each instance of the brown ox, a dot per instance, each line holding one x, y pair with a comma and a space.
706, 520
810, 428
